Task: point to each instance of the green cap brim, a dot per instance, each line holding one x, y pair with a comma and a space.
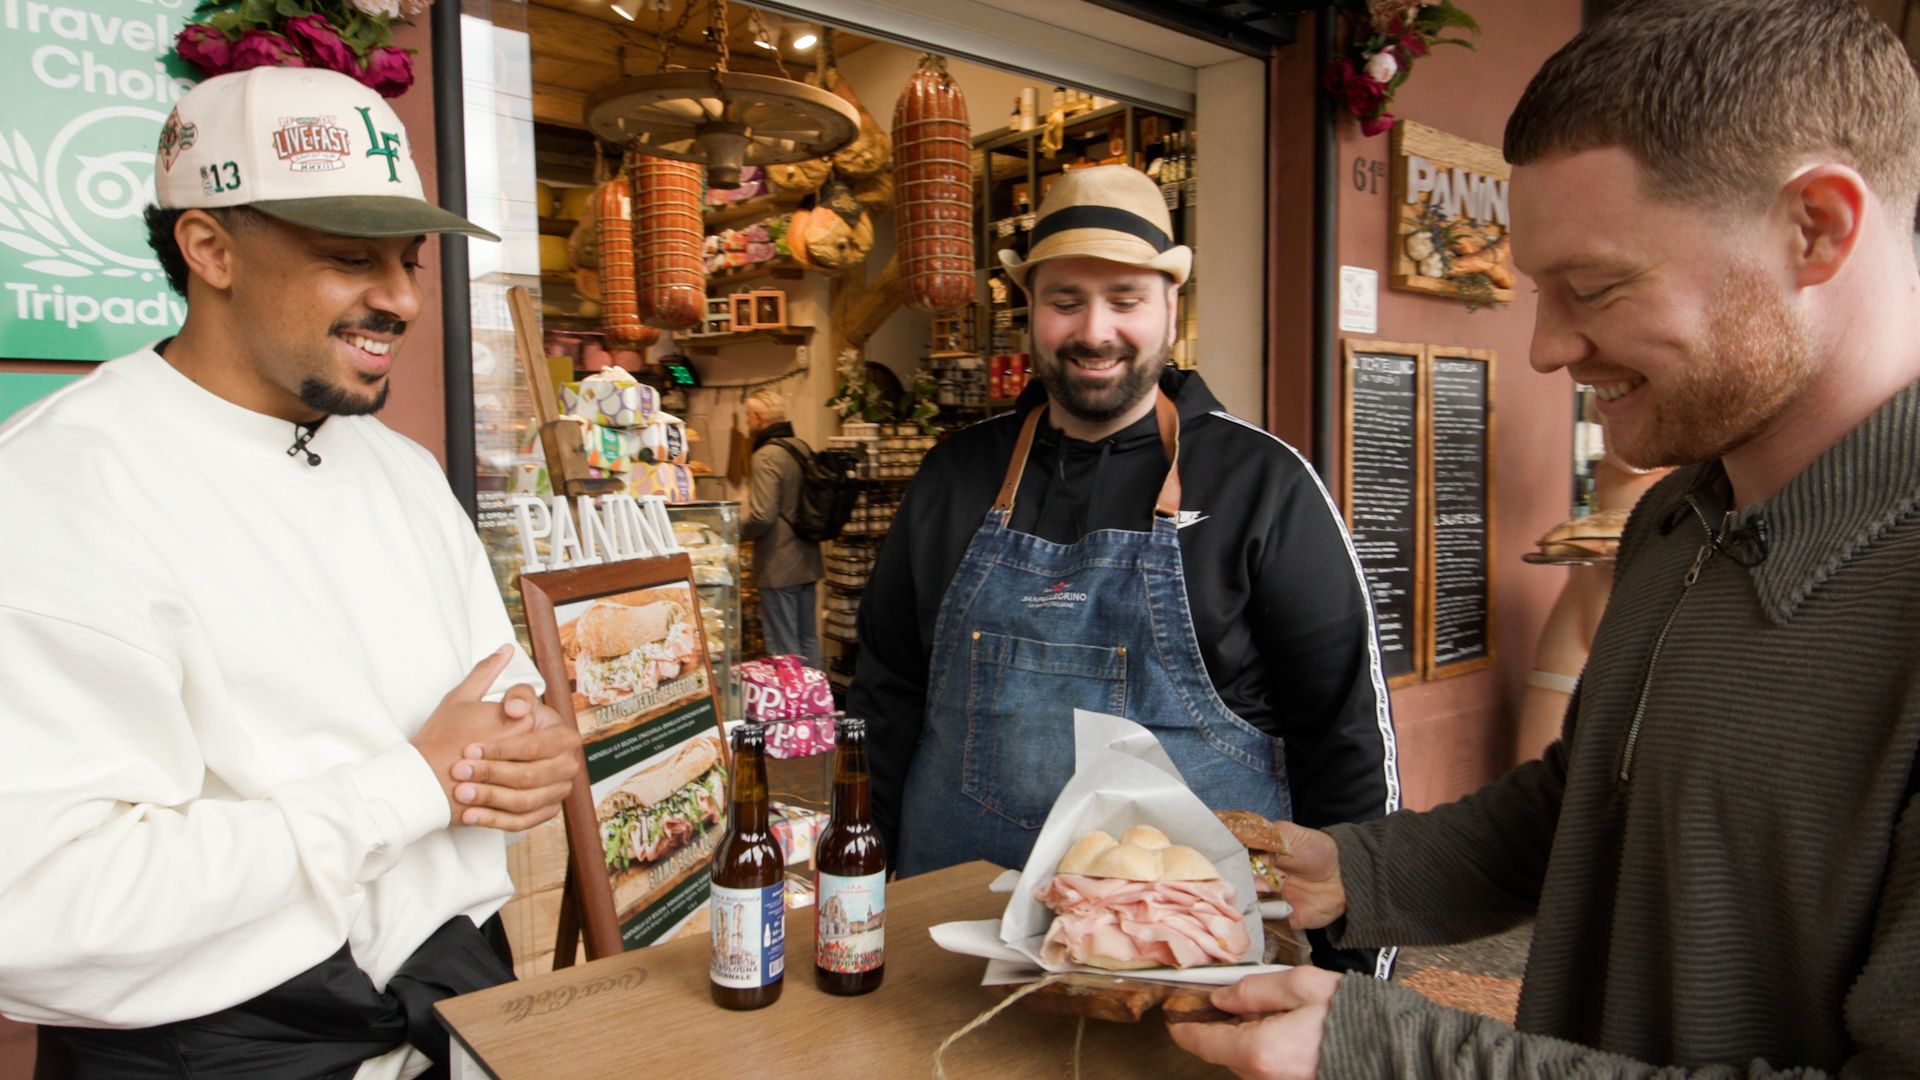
370, 215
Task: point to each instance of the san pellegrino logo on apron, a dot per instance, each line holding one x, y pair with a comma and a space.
77, 280
1061, 595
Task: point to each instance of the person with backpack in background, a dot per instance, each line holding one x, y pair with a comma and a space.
786, 565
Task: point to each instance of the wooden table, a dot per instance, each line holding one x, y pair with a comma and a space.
648, 1013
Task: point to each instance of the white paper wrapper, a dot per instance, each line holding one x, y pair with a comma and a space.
1122, 778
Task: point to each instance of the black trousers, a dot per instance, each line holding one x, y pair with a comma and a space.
319, 1025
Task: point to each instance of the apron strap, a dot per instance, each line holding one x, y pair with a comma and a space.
1166, 506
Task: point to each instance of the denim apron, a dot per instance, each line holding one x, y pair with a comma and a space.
1031, 630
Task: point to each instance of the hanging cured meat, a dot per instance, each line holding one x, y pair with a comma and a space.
933, 189
619, 311
667, 236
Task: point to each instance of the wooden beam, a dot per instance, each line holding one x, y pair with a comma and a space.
584, 40
553, 105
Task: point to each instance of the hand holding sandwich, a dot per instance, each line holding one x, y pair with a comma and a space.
503, 765
1306, 861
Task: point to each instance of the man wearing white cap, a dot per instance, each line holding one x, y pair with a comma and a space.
266, 726
1120, 543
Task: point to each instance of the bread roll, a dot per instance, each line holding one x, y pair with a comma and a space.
1143, 853
612, 629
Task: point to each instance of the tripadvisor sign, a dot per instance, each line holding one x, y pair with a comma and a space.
90, 91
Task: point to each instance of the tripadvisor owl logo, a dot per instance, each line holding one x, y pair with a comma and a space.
72, 192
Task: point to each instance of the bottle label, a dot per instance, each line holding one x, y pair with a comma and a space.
749, 932
850, 923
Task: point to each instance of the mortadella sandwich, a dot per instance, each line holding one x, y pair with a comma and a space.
1138, 902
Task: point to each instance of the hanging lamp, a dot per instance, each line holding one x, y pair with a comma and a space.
722, 119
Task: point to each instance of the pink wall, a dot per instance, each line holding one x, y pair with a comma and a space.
416, 407
1457, 734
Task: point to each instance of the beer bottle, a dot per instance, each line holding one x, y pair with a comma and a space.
749, 891
850, 877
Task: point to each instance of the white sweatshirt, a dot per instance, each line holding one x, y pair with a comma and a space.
212, 656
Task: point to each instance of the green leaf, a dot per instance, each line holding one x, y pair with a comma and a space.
227, 22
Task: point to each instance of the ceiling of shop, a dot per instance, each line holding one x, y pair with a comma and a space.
1250, 26
578, 45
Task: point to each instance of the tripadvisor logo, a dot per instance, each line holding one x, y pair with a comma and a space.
71, 198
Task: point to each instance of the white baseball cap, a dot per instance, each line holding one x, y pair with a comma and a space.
311, 147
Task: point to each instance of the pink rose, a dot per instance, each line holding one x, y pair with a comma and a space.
320, 43
1383, 122
205, 48
388, 70
257, 48
1364, 96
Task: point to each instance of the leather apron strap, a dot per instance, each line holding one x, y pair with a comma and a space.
1166, 506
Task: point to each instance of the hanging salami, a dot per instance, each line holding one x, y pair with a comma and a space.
933, 189
668, 232
619, 309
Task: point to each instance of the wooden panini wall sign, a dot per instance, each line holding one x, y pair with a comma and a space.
624, 655
1459, 456
1384, 493
1450, 217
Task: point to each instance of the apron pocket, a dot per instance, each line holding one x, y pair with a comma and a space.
1021, 694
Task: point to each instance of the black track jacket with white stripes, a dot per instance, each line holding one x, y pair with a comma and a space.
1278, 603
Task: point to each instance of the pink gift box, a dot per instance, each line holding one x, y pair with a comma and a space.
804, 737
784, 688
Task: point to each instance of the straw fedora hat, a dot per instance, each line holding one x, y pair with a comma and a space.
1112, 212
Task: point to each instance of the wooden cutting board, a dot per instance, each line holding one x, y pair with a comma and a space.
1119, 999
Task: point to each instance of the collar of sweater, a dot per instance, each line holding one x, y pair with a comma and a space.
178, 399
1827, 515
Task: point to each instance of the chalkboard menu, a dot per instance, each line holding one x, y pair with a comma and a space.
1383, 492
1460, 516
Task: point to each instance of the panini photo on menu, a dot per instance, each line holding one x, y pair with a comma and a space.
631, 655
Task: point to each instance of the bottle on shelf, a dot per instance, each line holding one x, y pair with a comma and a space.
749, 917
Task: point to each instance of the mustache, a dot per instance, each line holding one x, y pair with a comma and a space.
1110, 351
376, 323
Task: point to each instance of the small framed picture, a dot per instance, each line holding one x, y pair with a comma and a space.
742, 311
769, 309
719, 316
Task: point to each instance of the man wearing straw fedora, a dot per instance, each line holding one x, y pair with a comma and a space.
266, 730
1118, 542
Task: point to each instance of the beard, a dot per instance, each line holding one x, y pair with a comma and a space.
334, 399
1733, 382
353, 394
1099, 402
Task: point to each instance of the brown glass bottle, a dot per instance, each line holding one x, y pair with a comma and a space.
850, 876
749, 896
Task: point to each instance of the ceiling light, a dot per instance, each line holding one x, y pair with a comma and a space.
626, 8
760, 39
800, 36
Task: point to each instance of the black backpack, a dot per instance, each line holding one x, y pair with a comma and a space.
828, 490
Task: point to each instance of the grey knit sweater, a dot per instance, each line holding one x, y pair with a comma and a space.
1723, 851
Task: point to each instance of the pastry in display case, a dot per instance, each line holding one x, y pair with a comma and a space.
710, 531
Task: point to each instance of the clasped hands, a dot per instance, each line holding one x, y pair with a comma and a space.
503, 765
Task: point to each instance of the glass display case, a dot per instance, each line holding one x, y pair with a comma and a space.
710, 531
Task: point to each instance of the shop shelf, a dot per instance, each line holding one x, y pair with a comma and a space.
706, 343
785, 269
554, 226
749, 210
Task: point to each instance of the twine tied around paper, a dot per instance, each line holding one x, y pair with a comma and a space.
1080, 1028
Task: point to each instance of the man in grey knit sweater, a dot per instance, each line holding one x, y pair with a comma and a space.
1722, 852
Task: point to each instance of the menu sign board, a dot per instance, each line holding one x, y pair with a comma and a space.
1460, 517
624, 655
92, 82
1384, 493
